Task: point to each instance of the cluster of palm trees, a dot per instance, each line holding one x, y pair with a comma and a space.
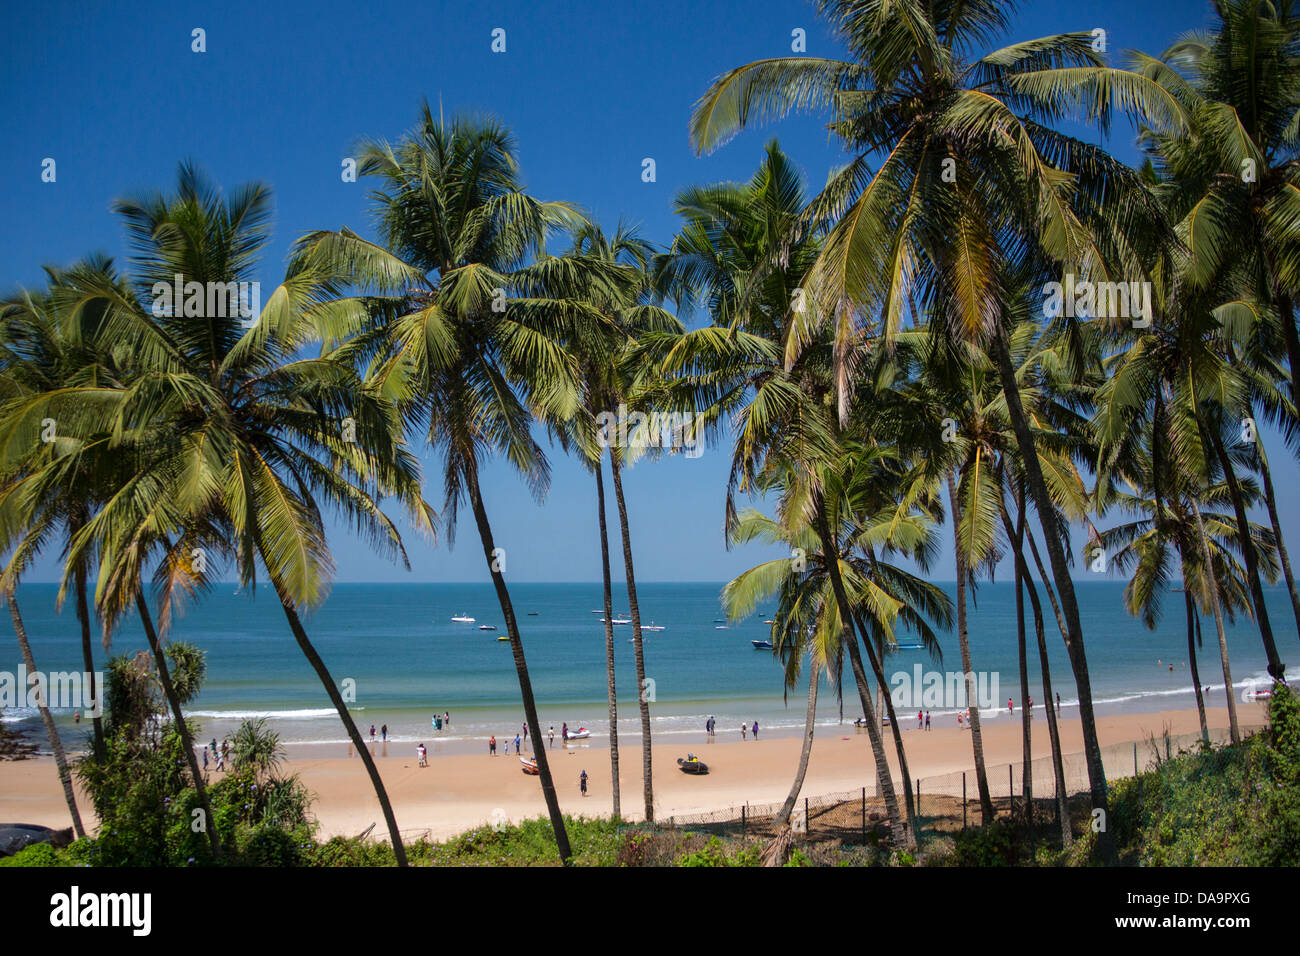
869, 352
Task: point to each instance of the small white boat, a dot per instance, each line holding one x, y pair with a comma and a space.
619, 620
762, 645
719, 627
582, 733
487, 627
463, 619
652, 626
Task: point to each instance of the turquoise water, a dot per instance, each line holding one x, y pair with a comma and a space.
407, 660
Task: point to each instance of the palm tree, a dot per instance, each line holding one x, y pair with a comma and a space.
971, 176
253, 436
469, 332
56, 745
615, 382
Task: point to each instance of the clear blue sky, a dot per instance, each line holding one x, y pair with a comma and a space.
114, 94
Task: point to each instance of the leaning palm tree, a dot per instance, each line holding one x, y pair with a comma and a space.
971, 176
469, 324
56, 744
255, 437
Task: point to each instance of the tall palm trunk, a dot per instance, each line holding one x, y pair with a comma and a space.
521, 665
56, 745
1052, 537
1276, 668
609, 639
331, 689
87, 655
884, 779
968, 670
169, 691
1212, 586
1026, 717
887, 704
1270, 500
1053, 730
647, 770
1190, 607
809, 721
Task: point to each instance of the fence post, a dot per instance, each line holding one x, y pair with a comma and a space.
864, 815
918, 807
806, 827
1011, 788
1135, 758
742, 820
963, 799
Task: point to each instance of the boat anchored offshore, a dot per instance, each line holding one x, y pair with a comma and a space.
692, 765
487, 627
619, 620
463, 619
762, 645
652, 626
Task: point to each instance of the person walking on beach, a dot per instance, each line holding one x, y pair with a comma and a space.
756, 730
372, 733
564, 733
1058, 704
920, 720
422, 755
446, 718
517, 743
492, 745
927, 720
525, 735
959, 720
225, 753
551, 736
1010, 707
205, 758
384, 732
744, 729
582, 782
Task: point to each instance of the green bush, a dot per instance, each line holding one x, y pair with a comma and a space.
38, 854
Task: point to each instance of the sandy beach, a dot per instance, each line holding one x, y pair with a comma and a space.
457, 792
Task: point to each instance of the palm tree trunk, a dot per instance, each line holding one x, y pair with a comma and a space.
87, 655
647, 770
884, 779
1053, 730
1276, 668
1191, 656
1212, 585
963, 640
809, 722
169, 691
327, 681
1026, 717
521, 665
887, 702
56, 745
1271, 500
609, 639
1052, 536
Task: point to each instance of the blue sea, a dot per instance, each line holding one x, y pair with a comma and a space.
397, 648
